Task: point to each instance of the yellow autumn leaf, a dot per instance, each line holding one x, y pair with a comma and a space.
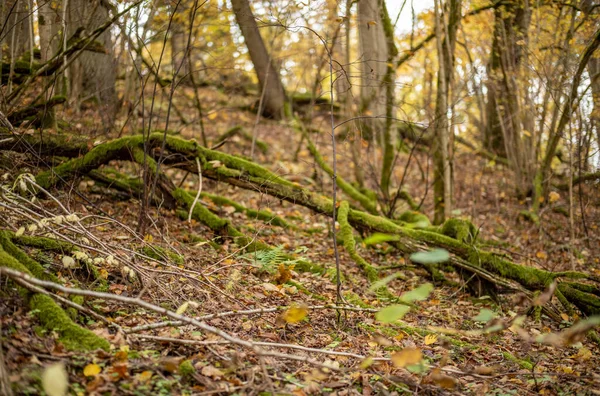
144, 376
541, 255
406, 357
368, 362
431, 339
295, 314
553, 196
583, 354
148, 238
212, 116
92, 370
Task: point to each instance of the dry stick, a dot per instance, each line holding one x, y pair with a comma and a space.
313, 350
340, 298
199, 191
265, 344
23, 278
158, 325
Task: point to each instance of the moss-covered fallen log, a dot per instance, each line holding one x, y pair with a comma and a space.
50, 314
248, 175
40, 111
592, 177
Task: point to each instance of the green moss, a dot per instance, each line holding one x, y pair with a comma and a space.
99, 155
160, 253
51, 316
193, 238
405, 196
414, 219
32, 267
71, 335
588, 303
263, 215
200, 213
349, 243
355, 299
238, 130
462, 230
347, 237
186, 368
43, 243
524, 364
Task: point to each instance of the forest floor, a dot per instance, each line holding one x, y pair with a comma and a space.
216, 279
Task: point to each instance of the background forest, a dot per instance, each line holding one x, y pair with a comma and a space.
299, 197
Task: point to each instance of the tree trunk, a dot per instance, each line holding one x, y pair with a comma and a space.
16, 35
443, 142
267, 73
49, 29
93, 74
373, 58
179, 38
511, 25
49, 24
505, 120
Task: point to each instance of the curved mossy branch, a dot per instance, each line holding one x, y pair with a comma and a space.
224, 227
349, 243
588, 303
367, 203
50, 314
263, 215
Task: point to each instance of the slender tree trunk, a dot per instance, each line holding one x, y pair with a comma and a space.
442, 150
16, 35
510, 32
268, 75
542, 179
179, 38
50, 42
389, 139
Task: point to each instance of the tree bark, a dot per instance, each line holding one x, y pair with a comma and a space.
93, 74
179, 38
16, 34
374, 55
268, 75
443, 142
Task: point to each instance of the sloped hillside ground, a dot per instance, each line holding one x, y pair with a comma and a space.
182, 266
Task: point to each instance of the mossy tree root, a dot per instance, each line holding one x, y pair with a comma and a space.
248, 175
263, 215
50, 314
349, 243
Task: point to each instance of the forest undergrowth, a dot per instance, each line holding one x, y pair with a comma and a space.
308, 343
